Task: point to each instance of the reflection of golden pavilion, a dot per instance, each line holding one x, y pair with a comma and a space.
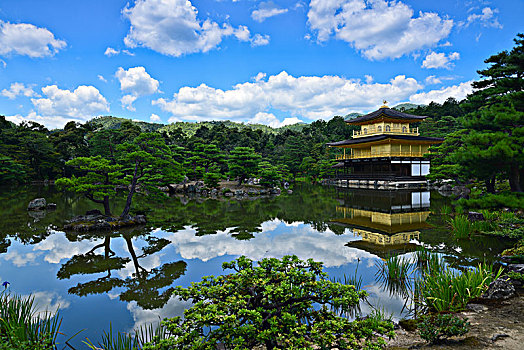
388, 226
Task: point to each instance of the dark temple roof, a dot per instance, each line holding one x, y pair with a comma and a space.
388, 112
383, 137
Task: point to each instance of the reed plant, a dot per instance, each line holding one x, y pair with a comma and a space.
449, 290
23, 327
128, 341
394, 274
446, 209
461, 226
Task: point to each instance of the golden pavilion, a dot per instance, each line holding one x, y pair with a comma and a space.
385, 151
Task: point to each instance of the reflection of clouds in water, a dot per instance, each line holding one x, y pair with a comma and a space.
383, 300
58, 247
148, 262
48, 302
301, 240
19, 258
141, 317
268, 226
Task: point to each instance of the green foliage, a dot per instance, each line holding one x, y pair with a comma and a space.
461, 226
22, 327
97, 182
434, 328
494, 201
212, 178
272, 304
516, 276
269, 174
447, 290
128, 341
242, 163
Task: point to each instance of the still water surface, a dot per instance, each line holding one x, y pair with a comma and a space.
126, 277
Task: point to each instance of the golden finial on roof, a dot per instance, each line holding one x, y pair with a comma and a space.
385, 104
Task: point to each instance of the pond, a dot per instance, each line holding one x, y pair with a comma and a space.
125, 278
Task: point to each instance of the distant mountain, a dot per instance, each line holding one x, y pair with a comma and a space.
187, 128
406, 106
109, 122
352, 115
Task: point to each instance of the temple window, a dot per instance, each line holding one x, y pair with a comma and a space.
388, 128
404, 129
379, 128
365, 130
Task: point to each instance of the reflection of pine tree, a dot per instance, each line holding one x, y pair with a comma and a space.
146, 287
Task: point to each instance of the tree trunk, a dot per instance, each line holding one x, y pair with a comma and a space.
490, 184
514, 179
125, 213
107, 209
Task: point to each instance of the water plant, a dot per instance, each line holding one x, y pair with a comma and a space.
446, 209
461, 226
129, 341
23, 327
394, 274
450, 290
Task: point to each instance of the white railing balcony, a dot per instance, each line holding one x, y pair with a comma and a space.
390, 131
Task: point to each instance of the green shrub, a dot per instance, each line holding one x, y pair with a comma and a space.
435, 328
277, 303
511, 200
446, 210
461, 226
449, 290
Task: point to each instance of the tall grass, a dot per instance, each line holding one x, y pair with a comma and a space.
461, 226
20, 323
449, 290
129, 341
446, 209
394, 274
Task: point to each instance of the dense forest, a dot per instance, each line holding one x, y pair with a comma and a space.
484, 139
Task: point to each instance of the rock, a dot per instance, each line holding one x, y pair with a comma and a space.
519, 268
263, 192
275, 191
476, 307
37, 204
228, 194
252, 192
474, 216
204, 193
289, 191
164, 188
214, 192
445, 188
501, 288
93, 212
461, 191
139, 219
51, 206
239, 193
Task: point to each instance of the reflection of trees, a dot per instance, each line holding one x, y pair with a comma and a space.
313, 205
149, 288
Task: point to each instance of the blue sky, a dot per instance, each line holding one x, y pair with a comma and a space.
270, 62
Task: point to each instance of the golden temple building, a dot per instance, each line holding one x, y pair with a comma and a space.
385, 150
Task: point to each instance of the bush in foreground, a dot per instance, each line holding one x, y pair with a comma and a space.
433, 328
281, 304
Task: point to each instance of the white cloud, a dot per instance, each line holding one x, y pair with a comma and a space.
47, 303
432, 80
137, 82
27, 39
271, 120
309, 97
259, 40
379, 29
486, 18
440, 60
101, 78
266, 10
18, 89
57, 247
155, 118
459, 92
171, 27
60, 106
111, 52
